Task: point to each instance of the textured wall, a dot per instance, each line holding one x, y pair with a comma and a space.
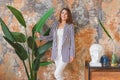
87, 31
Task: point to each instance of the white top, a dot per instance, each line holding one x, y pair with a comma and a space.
59, 40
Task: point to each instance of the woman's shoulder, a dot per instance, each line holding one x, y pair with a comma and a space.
55, 23
70, 25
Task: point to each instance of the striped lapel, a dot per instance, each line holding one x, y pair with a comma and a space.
64, 33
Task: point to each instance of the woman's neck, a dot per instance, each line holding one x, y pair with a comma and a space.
61, 25
63, 22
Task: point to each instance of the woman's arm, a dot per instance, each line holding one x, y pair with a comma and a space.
49, 37
72, 41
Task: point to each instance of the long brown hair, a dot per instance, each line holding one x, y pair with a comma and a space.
69, 19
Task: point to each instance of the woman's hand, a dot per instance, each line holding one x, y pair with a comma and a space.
37, 34
71, 59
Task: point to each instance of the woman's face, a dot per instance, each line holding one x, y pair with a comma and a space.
64, 15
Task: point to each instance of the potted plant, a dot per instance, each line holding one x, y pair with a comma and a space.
18, 39
114, 57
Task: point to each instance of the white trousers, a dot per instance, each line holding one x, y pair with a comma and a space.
60, 66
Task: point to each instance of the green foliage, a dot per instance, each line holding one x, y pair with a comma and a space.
105, 30
36, 63
6, 31
18, 15
31, 43
19, 37
44, 47
47, 32
20, 51
45, 63
18, 40
38, 26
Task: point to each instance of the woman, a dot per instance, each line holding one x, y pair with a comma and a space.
63, 48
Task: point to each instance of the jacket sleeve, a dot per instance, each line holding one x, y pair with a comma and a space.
72, 41
49, 37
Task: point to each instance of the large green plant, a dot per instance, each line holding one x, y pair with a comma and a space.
18, 40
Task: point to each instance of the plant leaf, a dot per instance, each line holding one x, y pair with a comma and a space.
32, 44
105, 30
36, 64
6, 31
38, 26
9, 41
47, 32
18, 15
31, 41
45, 63
20, 51
44, 47
19, 37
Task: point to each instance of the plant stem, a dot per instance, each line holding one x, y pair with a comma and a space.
26, 70
33, 48
35, 75
28, 55
33, 58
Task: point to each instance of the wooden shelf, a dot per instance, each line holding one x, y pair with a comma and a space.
102, 73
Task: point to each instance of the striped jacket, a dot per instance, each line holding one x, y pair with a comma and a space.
68, 44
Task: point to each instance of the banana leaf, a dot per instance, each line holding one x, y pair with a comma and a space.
32, 44
20, 51
31, 41
38, 26
45, 63
44, 48
36, 64
18, 15
41, 51
6, 31
47, 32
19, 37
